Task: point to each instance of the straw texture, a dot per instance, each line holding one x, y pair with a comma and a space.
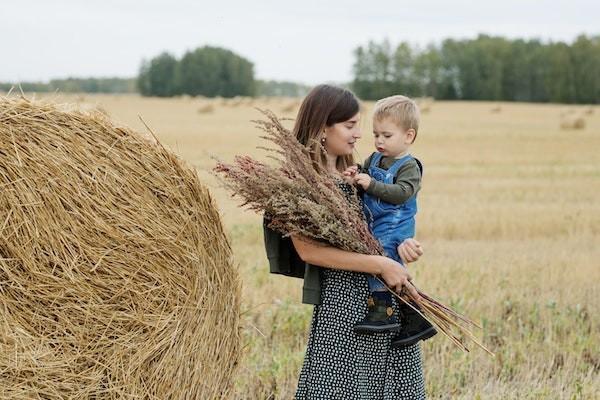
116, 277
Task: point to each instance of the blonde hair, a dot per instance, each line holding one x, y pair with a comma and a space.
403, 111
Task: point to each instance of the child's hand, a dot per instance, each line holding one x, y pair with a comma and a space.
363, 180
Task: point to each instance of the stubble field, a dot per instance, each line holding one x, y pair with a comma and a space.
509, 216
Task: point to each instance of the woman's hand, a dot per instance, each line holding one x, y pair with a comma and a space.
410, 250
351, 171
349, 174
397, 277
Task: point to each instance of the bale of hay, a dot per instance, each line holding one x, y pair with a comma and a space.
116, 277
496, 109
290, 107
572, 122
206, 108
589, 110
235, 101
424, 104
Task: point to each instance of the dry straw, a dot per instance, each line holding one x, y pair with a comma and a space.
206, 108
302, 199
116, 277
572, 122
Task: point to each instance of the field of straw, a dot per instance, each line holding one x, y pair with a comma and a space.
509, 217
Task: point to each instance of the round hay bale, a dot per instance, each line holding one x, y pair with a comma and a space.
235, 101
496, 109
116, 277
424, 104
206, 109
589, 110
572, 122
290, 107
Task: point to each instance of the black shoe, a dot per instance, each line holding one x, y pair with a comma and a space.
380, 317
414, 328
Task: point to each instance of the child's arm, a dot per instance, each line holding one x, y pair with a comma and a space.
408, 182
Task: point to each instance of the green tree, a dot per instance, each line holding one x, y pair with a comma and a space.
213, 71
585, 57
157, 77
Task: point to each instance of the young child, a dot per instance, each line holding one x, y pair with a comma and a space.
391, 178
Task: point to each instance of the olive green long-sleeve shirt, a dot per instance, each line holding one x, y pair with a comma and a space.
407, 181
283, 259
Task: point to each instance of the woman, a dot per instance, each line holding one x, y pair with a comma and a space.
340, 364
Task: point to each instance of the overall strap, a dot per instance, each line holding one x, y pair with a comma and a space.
420, 165
399, 163
375, 158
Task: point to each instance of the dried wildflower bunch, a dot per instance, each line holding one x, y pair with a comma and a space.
302, 198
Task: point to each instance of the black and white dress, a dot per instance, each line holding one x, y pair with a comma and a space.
340, 364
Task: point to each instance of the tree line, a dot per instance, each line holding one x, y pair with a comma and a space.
75, 85
484, 68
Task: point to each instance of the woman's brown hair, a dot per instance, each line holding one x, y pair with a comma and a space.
324, 106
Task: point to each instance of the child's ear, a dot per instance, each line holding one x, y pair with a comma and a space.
411, 135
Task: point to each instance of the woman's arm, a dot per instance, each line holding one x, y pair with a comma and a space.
395, 276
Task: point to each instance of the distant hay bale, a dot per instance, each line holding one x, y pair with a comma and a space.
496, 109
290, 107
219, 101
424, 104
235, 101
589, 110
116, 277
572, 122
206, 108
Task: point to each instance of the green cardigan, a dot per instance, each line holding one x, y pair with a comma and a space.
284, 260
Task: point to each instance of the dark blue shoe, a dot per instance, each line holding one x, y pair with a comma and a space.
380, 317
414, 328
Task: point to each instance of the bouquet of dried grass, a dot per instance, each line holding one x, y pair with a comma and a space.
302, 198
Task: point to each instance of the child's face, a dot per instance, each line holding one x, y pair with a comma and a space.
390, 139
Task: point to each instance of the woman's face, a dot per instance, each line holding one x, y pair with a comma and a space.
340, 138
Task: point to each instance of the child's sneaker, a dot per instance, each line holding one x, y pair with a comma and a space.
414, 328
380, 317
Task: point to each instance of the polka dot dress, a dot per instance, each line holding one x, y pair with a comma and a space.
340, 364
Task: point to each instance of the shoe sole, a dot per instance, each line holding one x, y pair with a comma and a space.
377, 329
414, 339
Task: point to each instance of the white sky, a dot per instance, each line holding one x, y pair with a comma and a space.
306, 41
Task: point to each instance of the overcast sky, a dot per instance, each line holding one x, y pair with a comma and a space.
307, 41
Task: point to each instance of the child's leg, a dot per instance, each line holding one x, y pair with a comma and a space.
390, 248
379, 316
414, 327
375, 285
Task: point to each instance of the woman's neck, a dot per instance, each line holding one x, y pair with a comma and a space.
332, 164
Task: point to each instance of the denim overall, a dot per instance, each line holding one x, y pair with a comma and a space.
391, 224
